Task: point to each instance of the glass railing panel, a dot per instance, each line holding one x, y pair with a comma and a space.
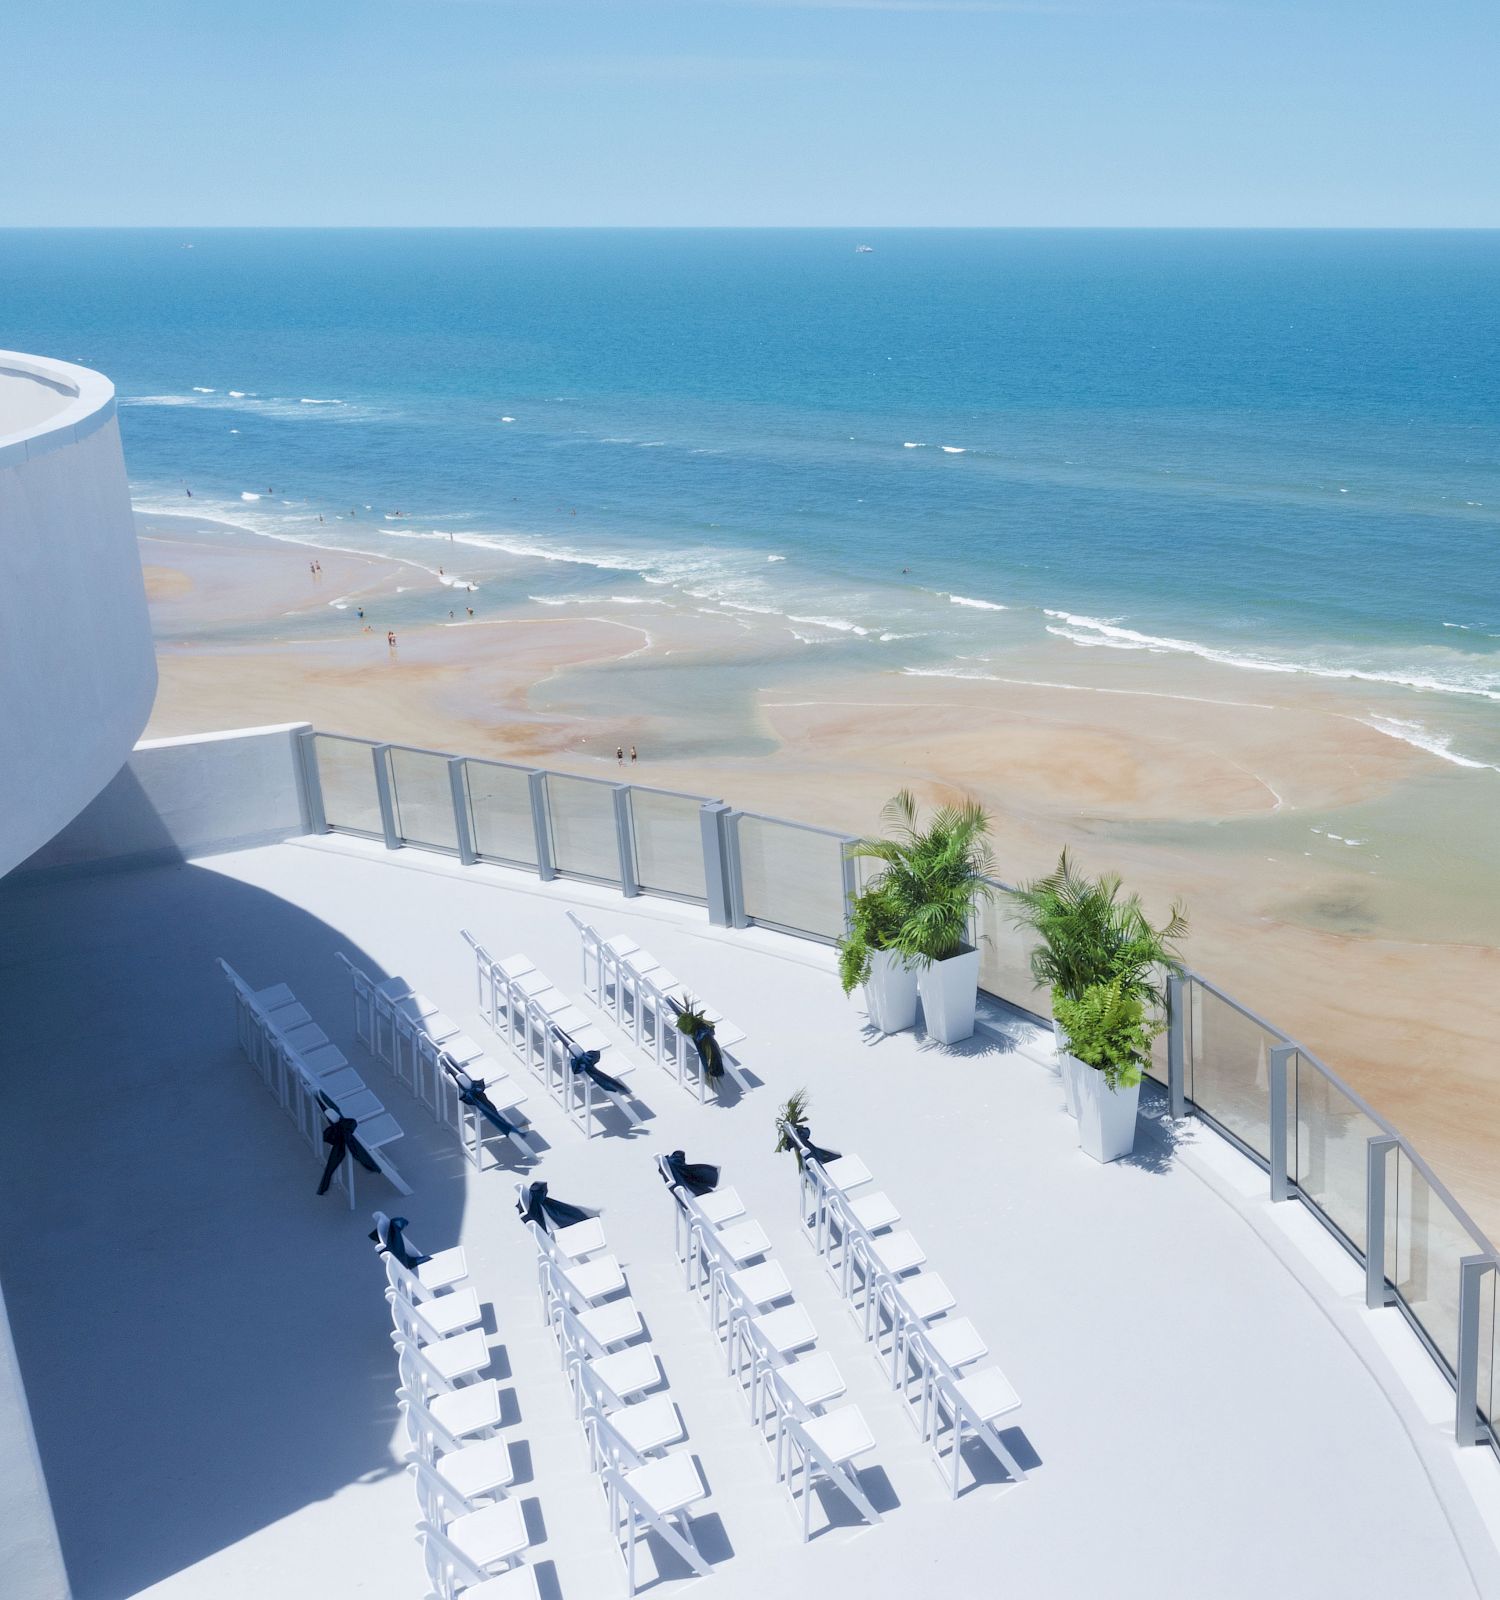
1005, 958
500, 813
1429, 1244
346, 775
1230, 1079
581, 813
1327, 1148
668, 834
792, 876
423, 799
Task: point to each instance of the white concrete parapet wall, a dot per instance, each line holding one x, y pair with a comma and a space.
193, 796
77, 664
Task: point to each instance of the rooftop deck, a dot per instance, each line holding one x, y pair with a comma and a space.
1207, 1405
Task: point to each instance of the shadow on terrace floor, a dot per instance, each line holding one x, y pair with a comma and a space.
201, 1336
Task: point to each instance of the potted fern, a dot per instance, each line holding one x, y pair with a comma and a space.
935, 876
868, 956
1109, 1036
1088, 934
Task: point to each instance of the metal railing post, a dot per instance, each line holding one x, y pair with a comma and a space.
734, 873
851, 877
1276, 1065
625, 841
1177, 1026
1376, 1149
536, 782
381, 755
463, 826
711, 826
312, 782
1471, 1271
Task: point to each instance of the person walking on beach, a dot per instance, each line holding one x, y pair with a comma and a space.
620, 754
189, 492
632, 755
359, 611
390, 638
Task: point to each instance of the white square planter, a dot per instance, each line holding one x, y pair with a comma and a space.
1106, 1117
891, 993
1072, 1069
950, 990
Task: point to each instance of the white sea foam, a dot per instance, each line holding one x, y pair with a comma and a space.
976, 605
236, 394
304, 401
507, 419
1096, 632
950, 672
840, 623
775, 558
197, 390
246, 495
1436, 744
913, 444
954, 450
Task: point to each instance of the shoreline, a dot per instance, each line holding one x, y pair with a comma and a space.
1162, 768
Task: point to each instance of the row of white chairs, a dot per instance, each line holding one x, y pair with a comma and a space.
620, 1395
547, 1033
907, 1315
637, 993
312, 1080
472, 1533
449, 1074
770, 1344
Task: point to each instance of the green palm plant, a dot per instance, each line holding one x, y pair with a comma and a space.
1089, 935
875, 918
932, 877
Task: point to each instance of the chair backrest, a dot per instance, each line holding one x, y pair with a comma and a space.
422, 1427
448, 1568
408, 1318
405, 1282
417, 1372
607, 1443
439, 1500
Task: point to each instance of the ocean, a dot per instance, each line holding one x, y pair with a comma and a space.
1278, 451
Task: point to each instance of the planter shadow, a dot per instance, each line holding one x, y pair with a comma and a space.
1157, 1137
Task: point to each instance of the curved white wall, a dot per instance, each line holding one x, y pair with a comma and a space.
77, 667
77, 677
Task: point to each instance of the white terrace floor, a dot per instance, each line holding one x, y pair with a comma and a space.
1210, 1410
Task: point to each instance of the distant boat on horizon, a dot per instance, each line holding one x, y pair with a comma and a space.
864, 249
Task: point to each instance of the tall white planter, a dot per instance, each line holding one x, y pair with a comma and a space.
1072, 1070
1106, 1117
949, 992
891, 993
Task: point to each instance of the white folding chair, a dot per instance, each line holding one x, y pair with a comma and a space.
466, 1410
489, 1534
457, 1356
440, 1271
479, 1468
452, 1574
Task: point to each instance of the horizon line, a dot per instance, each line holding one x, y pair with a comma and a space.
751, 227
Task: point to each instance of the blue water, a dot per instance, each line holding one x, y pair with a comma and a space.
1277, 449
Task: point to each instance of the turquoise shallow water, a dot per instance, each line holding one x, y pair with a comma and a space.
1276, 450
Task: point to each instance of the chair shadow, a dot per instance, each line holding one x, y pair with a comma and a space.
983, 1468
841, 1512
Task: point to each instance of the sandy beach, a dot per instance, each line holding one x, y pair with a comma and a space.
1245, 796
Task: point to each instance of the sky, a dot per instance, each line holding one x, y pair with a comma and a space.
969, 113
